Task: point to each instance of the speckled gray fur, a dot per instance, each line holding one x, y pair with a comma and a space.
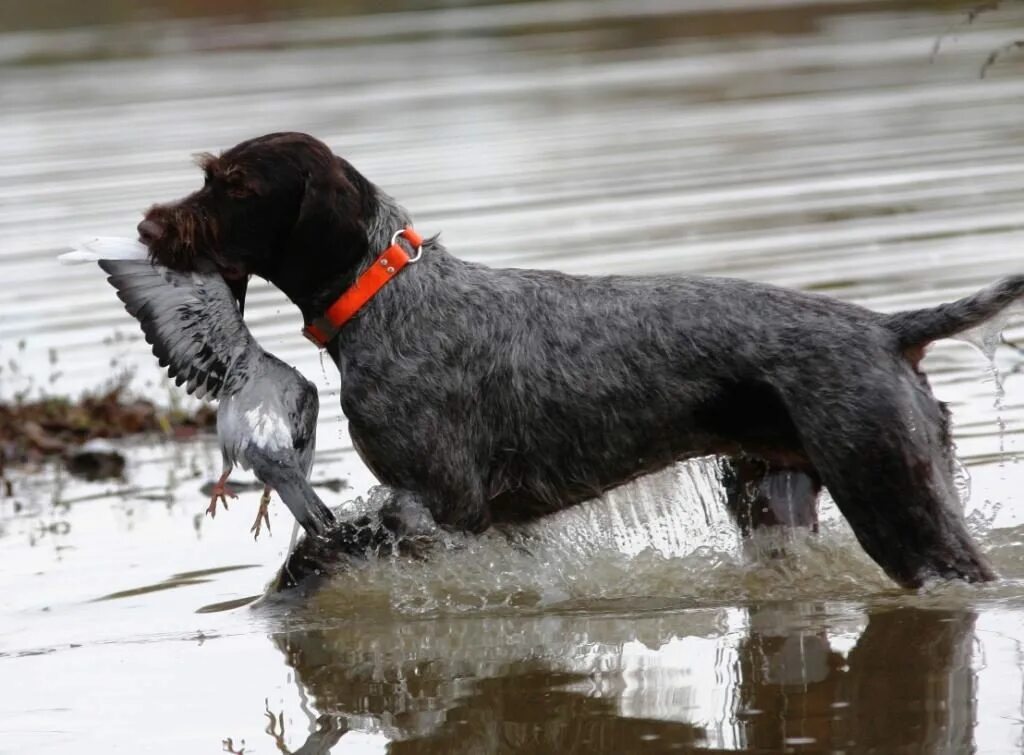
500, 395
490, 396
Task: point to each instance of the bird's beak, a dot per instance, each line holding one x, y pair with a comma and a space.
238, 288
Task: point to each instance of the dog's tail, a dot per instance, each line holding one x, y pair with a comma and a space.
918, 327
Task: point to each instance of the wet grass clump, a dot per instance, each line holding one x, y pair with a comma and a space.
55, 426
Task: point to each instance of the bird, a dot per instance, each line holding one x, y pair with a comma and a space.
267, 410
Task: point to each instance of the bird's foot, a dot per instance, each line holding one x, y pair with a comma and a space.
261, 516
220, 492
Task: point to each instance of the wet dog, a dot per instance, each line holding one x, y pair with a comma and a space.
486, 396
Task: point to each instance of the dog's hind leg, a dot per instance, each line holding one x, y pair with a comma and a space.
761, 494
879, 441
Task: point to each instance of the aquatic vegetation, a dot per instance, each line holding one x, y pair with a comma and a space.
55, 425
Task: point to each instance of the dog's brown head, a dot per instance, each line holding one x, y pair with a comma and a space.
281, 206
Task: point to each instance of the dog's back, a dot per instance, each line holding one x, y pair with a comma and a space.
491, 395
535, 390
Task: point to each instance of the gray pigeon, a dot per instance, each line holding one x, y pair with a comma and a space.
266, 419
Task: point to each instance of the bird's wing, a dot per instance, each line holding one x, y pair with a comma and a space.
304, 407
191, 320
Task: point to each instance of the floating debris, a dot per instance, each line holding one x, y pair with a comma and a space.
94, 460
59, 426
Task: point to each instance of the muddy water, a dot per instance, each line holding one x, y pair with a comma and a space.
809, 145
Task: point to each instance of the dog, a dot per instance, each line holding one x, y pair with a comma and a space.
493, 396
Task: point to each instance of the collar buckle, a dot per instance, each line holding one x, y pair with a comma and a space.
413, 238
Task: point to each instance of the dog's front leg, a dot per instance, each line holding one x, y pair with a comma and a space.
404, 526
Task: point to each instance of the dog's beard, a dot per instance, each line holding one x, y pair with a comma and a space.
188, 237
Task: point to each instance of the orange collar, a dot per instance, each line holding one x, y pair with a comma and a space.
323, 329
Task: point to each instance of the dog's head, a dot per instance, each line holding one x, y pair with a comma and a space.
281, 206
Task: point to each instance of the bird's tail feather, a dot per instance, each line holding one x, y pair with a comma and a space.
283, 475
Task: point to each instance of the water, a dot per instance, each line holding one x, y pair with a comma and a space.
809, 145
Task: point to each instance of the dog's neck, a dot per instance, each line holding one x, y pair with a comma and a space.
389, 217
315, 281
398, 299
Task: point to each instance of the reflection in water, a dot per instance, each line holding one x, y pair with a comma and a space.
328, 731
777, 676
907, 683
184, 579
809, 144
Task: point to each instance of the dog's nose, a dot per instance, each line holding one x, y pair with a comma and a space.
150, 231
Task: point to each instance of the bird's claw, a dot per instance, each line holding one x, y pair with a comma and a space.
222, 492
261, 517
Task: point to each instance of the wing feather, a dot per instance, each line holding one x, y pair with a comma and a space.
190, 319
303, 404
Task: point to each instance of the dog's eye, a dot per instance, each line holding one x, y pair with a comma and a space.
207, 181
239, 191
239, 186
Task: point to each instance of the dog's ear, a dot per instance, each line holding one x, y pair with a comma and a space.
330, 218
318, 213
327, 239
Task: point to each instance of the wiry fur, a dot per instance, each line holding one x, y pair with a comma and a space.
490, 396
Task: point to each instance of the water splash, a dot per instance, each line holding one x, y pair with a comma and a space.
664, 541
981, 521
961, 481
672, 512
987, 338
